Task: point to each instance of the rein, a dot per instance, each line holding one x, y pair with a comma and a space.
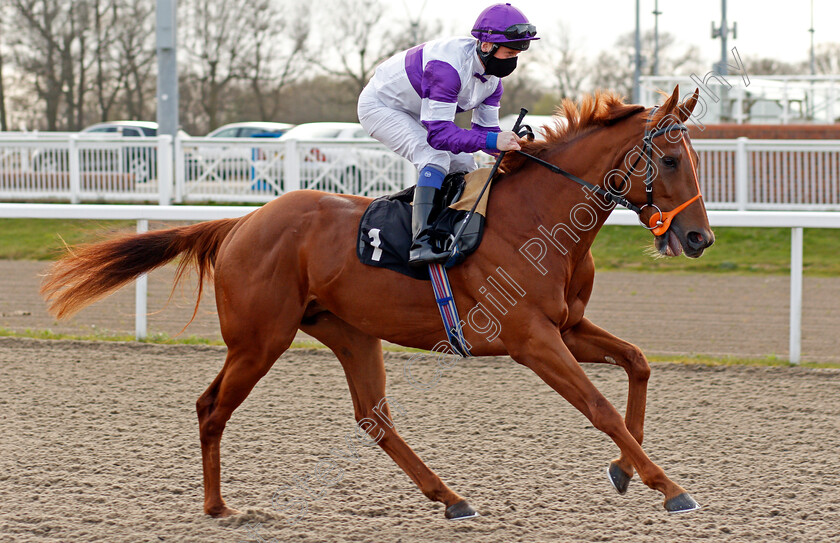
661, 220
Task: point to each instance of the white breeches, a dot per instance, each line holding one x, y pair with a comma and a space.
405, 135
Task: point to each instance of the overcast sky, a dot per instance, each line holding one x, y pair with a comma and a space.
767, 28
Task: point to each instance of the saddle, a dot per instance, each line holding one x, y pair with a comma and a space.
385, 229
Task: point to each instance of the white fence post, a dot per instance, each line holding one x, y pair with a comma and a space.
140, 291
291, 167
180, 170
164, 169
796, 242
75, 170
741, 174
785, 103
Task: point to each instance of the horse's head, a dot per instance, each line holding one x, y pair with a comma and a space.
665, 180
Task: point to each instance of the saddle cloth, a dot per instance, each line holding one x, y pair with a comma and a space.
384, 235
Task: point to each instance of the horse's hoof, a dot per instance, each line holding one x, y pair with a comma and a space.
223, 512
618, 478
460, 511
682, 503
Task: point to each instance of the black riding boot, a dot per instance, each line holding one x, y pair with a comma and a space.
423, 250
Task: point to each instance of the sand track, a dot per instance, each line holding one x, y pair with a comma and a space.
100, 443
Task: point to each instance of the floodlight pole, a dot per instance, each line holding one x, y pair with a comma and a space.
167, 84
811, 30
656, 14
637, 73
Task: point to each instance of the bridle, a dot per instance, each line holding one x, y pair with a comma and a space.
659, 221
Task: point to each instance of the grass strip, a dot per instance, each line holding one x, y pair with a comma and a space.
740, 251
165, 339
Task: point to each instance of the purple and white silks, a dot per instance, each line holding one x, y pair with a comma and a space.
431, 83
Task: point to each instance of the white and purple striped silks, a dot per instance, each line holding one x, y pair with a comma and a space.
411, 102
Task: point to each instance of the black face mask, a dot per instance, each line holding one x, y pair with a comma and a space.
500, 67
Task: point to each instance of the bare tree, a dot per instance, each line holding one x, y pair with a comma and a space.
276, 59
216, 38
827, 57
770, 66
362, 36
614, 69
612, 72
108, 24
135, 50
568, 64
38, 50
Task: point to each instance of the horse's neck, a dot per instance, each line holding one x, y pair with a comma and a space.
560, 206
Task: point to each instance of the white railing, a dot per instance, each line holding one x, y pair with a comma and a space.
740, 174
76, 167
747, 174
796, 221
257, 170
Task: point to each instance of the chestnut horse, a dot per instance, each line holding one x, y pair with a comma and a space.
292, 265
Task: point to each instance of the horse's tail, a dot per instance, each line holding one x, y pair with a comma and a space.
90, 272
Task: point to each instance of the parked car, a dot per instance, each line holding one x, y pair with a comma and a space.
326, 131
214, 160
139, 162
335, 168
250, 130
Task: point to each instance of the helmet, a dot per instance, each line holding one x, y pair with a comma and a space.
505, 25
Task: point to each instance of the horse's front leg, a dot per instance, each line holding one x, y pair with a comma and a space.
544, 351
589, 343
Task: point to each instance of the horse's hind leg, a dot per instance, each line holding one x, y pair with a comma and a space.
361, 357
243, 368
257, 328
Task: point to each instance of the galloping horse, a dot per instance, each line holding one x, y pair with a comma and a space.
292, 265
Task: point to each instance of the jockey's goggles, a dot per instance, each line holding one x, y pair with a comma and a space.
513, 32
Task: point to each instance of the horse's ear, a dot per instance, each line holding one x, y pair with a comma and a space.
672, 101
686, 108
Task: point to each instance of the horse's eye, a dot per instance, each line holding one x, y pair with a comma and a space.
669, 161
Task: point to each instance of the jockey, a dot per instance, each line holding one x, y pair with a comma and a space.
411, 101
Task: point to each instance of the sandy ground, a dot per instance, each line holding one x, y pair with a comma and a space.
663, 314
100, 443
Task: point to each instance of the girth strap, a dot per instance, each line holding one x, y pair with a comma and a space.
448, 310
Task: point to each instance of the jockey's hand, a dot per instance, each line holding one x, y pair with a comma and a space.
508, 141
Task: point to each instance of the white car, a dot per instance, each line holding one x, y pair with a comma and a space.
223, 155
331, 162
253, 129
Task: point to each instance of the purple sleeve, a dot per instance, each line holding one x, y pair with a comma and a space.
484, 130
446, 136
439, 91
486, 116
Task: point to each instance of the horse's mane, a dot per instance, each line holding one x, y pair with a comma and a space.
604, 108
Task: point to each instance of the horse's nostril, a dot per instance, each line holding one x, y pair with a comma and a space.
695, 239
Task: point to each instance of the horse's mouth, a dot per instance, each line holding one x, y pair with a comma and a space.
672, 244
669, 244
